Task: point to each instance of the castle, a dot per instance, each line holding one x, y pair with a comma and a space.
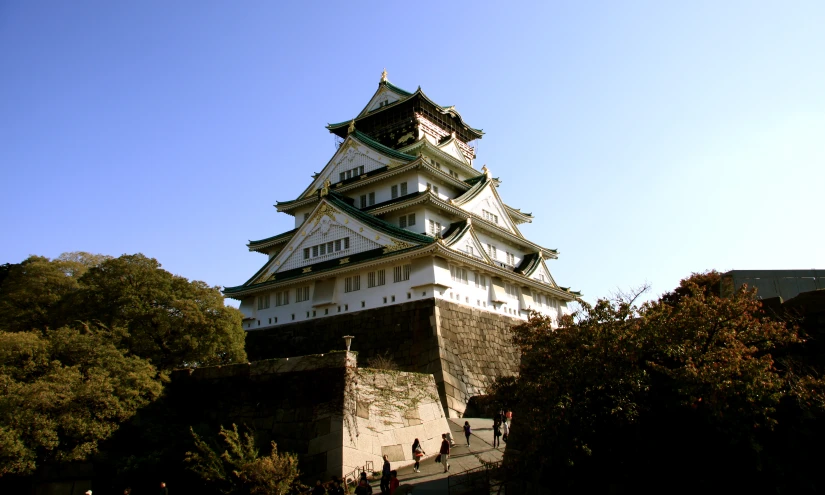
396, 236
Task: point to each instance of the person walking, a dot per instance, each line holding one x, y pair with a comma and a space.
496, 434
467, 432
505, 431
385, 476
418, 453
445, 452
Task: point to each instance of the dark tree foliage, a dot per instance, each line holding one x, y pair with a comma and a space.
86, 341
163, 317
690, 392
64, 391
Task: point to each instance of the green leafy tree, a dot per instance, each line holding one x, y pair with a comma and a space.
162, 317
169, 320
62, 392
686, 388
240, 469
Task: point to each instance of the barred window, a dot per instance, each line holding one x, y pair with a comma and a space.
458, 274
352, 284
302, 294
481, 281
376, 278
401, 273
490, 217
491, 250
394, 192
263, 302
511, 259
363, 200
434, 228
282, 298
403, 188
371, 199
405, 221
326, 248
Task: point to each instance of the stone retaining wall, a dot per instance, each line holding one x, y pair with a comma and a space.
462, 347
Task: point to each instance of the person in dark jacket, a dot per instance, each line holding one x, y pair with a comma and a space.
445, 452
385, 476
467, 432
418, 453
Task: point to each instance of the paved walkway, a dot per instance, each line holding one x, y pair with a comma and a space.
432, 479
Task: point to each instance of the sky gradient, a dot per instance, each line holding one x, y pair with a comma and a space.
649, 139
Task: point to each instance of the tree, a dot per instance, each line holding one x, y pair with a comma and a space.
162, 317
239, 469
62, 392
31, 290
686, 388
169, 320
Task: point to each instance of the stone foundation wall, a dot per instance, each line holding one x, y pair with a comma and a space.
462, 347
297, 402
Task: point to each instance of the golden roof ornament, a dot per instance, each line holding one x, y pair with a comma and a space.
485, 170
351, 127
325, 188
384, 76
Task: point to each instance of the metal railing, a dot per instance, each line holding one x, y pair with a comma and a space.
351, 478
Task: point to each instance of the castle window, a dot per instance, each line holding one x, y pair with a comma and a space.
326, 248
491, 250
403, 188
433, 188
511, 259
481, 281
363, 202
490, 217
406, 220
401, 273
282, 298
458, 274
376, 278
371, 198
394, 192
263, 302
434, 228
302, 294
352, 284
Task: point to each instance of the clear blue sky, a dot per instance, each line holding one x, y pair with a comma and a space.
649, 139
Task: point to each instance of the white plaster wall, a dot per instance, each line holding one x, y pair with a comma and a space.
424, 272
300, 212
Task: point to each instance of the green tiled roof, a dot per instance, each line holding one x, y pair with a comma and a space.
396, 200
528, 264
381, 148
450, 109
377, 223
341, 203
454, 232
285, 235
326, 265
395, 88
